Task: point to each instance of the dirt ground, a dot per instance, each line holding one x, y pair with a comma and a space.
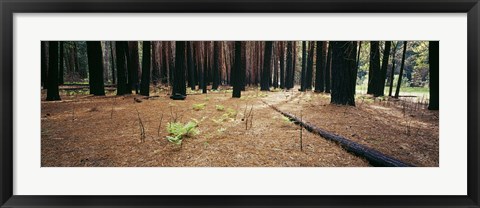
104, 131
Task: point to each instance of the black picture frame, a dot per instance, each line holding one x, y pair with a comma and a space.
9, 7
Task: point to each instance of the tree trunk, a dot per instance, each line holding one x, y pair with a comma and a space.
114, 79
380, 89
133, 67
392, 75
282, 64
191, 66
61, 65
95, 67
52, 75
77, 62
400, 75
146, 60
275, 65
205, 67
328, 68
265, 78
120, 47
374, 68
309, 76
320, 67
304, 66
44, 63
433, 61
237, 70
179, 90
343, 72
216, 64
243, 73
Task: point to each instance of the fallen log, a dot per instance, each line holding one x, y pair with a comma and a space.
374, 157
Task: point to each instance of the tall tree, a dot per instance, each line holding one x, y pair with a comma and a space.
304, 66
282, 64
120, 47
320, 67
191, 66
95, 67
112, 59
374, 68
275, 64
402, 66
237, 71
289, 68
433, 60
392, 74
133, 66
344, 72
328, 68
61, 65
265, 78
205, 66
380, 88
52, 75
44, 62
216, 64
179, 90
309, 76
146, 60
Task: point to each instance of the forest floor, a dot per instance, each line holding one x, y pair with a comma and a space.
84, 130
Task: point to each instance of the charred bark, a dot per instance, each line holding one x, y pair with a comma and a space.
433, 60
95, 67
52, 76
146, 60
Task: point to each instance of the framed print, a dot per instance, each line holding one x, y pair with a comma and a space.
246, 104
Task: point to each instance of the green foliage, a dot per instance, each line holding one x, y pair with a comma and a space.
179, 131
200, 106
286, 119
219, 107
231, 113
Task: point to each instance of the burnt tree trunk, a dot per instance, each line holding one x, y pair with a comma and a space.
265, 78
304, 66
191, 66
320, 67
52, 74
179, 90
120, 47
61, 64
374, 68
392, 75
328, 68
289, 68
95, 67
112, 60
343, 72
236, 73
402, 66
380, 88
133, 67
433, 61
44, 63
309, 76
146, 60
282, 64
216, 64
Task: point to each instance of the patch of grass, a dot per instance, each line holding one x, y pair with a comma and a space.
200, 106
231, 113
179, 131
221, 130
219, 107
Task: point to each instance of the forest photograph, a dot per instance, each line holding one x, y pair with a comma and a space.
293, 103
